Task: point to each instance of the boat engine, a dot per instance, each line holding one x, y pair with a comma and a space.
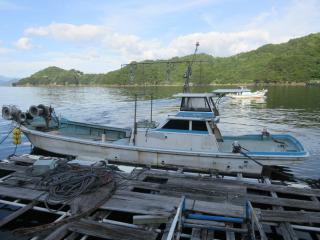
11, 112
40, 110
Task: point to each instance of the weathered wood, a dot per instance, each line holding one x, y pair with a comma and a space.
230, 235
284, 202
21, 193
149, 219
286, 229
204, 222
195, 235
224, 229
140, 203
210, 235
105, 230
255, 222
207, 195
58, 233
290, 216
167, 229
204, 234
17, 213
13, 167
234, 183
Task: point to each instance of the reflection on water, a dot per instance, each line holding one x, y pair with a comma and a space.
293, 110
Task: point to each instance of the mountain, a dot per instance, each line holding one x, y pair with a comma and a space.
6, 81
297, 60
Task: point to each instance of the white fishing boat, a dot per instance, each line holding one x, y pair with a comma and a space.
241, 93
189, 139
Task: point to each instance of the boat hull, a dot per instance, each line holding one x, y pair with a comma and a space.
132, 155
258, 94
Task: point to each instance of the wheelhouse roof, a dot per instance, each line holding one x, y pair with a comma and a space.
194, 116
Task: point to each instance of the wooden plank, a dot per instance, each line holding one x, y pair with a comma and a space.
255, 222
220, 209
315, 199
204, 222
204, 234
195, 235
149, 219
220, 194
21, 193
290, 216
58, 233
141, 203
286, 229
221, 182
110, 231
210, 235
230, 235
285, 202
167, 229
12, 167
16, 214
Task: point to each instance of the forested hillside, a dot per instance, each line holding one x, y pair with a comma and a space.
295, 61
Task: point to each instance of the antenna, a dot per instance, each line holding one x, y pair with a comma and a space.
188, 73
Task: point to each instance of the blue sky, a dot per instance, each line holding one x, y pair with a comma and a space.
98, 36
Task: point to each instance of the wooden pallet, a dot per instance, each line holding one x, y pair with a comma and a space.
147, 206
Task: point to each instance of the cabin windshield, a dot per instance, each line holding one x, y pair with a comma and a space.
198, 104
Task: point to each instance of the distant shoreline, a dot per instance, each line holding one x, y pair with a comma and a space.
166, 85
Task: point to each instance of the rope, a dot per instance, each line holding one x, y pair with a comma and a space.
105, 175
68, 181
6, 136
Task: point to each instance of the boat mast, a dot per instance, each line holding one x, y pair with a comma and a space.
187, 74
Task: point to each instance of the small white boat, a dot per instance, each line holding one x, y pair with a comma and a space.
241, 93
189, 139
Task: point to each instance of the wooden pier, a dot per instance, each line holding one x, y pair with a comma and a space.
161, 205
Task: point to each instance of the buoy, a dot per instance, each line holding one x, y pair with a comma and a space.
16, 136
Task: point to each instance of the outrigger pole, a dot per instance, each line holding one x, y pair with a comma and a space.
187, 74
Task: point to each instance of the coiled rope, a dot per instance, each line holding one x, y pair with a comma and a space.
67, 181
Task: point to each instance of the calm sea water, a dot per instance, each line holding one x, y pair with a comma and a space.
293, 110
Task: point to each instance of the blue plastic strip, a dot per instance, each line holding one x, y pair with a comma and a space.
247, 210
214, 218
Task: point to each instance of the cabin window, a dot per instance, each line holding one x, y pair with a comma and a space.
199, 126
177, 124
199, 104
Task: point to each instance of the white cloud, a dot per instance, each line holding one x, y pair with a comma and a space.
103, 49
69, 32
299, 18
23, 43
132, 47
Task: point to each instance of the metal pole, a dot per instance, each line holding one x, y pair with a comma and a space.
151, 103
200, 73
135, 119
187, 75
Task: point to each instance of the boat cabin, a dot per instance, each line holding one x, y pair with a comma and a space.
192, 128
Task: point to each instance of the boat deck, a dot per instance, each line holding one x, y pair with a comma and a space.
95, 138
254, 145
149, 204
